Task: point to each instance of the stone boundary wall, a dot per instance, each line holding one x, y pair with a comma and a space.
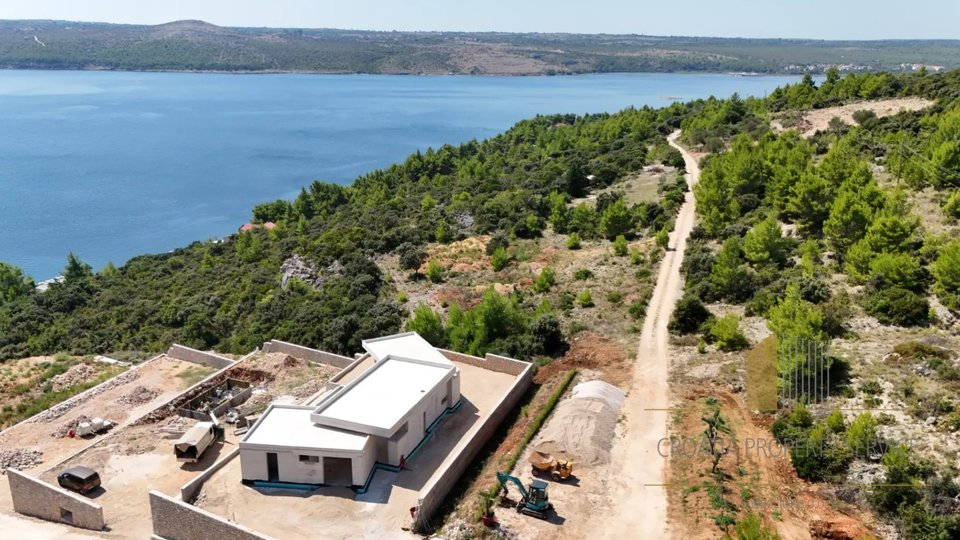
299, 351
198, 357
189, 490
434, 493
82, 395
34, 497
177, 520
492, 362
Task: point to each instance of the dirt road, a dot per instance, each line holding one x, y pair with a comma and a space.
639, 499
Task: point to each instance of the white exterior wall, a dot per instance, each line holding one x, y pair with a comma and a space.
434, 405
364, 463
253, 464
292, 470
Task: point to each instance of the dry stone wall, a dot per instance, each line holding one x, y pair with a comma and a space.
34, 497
492, 362
174, 519
299, 351
198, 357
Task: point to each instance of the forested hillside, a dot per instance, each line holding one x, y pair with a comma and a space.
849, 238
194, 45
228, 296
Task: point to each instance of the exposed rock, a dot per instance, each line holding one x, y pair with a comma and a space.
296, 266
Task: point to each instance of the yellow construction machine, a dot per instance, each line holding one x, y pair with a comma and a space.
542, 462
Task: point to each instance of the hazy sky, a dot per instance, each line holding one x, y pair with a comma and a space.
823, 19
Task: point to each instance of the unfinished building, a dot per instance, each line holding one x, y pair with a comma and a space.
379, 410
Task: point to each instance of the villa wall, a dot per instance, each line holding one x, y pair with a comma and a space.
34, 497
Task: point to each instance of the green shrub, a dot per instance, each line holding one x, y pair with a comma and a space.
663, 238
411, 256
498, 241
636, 257
952, 206
861, 434
751, 527
435, 272
637, 309
614, 297
835, 422
872, 388
573, 241
726, 333
688, 316
500, 259
544, 281
620, 246
583, 274
899, 307
427, 323
585, 299
546, 337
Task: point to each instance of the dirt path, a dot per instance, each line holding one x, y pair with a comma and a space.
639, 508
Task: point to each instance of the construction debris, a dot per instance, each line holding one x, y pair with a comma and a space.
139, 395
77, 374
57, 411
19, 458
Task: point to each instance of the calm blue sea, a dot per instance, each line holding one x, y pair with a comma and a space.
111, 165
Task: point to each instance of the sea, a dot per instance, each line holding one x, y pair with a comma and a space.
110, 165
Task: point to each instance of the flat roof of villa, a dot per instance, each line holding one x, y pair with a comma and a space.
384, 395
289, 426
408, 345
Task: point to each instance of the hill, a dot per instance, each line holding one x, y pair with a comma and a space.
199, 46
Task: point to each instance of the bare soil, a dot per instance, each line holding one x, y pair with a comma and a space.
819, 119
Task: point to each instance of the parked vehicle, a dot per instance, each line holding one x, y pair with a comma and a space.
83, 480
196, 440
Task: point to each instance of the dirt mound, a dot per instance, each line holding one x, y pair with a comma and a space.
265, 368
19, 458
139, 396
582, 426
594, 352
77, 374
308, 389
257, 403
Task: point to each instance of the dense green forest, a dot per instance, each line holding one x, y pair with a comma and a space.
845, 196
227, 295
193, 45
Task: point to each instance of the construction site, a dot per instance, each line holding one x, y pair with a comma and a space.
340, 447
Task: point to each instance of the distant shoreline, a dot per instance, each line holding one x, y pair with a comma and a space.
423, 74
199, 47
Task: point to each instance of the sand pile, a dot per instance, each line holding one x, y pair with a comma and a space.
19, 458
77, 374
139, 396
582, 426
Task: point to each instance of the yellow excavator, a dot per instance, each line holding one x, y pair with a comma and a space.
544, 463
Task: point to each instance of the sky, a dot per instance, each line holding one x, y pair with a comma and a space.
816, 19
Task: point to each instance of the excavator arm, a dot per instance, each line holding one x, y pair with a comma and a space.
504, 478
